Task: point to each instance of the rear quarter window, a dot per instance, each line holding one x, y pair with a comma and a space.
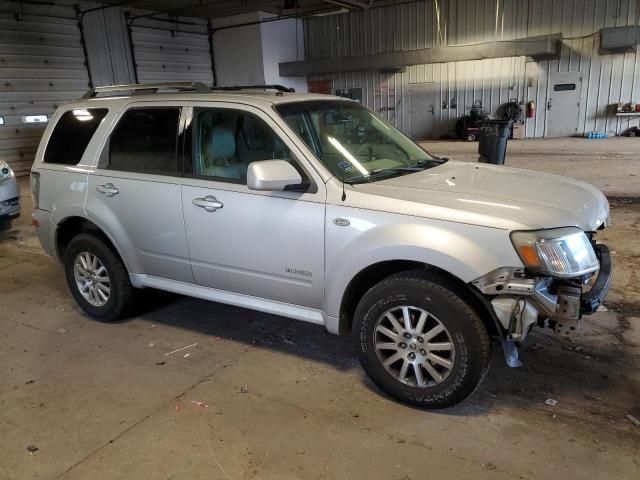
72, 134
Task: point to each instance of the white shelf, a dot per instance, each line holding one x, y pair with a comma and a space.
627, 114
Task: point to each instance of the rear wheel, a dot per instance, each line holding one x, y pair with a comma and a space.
97, 278
420, 342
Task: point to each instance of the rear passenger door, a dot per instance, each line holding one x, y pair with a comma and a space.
134, 193
264, 244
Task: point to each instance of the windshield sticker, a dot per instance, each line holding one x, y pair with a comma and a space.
345, 166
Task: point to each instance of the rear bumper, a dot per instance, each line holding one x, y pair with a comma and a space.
591, 300
45, 230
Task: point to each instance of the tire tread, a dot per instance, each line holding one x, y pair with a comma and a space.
125, 296
436, 281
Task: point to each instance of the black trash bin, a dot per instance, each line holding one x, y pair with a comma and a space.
493, 141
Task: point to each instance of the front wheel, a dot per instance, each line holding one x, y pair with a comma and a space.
420, 342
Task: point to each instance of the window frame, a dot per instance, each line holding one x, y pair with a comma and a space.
105, 153
308, 185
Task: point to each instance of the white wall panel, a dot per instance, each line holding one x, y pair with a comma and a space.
42, 64
108, 49
607, 79
166, 51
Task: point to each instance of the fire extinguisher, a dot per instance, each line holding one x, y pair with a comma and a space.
531, 109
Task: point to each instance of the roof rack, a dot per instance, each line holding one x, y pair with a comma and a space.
198, 87
232, 88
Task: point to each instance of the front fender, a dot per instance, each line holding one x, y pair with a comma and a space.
465, 251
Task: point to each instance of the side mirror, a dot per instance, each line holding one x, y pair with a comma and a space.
272, 175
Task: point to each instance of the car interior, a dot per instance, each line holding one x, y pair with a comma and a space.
227, 141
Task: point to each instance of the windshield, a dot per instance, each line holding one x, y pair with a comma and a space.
352, 142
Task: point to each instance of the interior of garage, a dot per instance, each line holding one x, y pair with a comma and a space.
570, 66
193, 389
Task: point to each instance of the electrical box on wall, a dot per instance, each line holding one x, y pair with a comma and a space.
619, 40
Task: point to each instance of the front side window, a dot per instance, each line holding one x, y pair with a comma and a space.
145, 141
352, 142
226, 141
72, 134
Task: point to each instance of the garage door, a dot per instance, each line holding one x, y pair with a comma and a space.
42, 65
172, 55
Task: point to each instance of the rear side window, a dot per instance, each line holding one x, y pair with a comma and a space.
145, 141
72, 134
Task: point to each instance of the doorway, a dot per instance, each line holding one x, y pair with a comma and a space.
422, 110
563, 104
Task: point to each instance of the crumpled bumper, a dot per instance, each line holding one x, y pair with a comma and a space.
592, 299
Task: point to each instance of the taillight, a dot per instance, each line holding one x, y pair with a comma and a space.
35, 189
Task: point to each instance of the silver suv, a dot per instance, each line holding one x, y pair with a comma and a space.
312, 207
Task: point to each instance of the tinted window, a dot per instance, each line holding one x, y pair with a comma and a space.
563, 87
225, 142
145, 141
72, 134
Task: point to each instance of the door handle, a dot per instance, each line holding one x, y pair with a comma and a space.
209, 203
549, 105
108, 189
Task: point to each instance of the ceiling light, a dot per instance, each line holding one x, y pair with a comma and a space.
35, 119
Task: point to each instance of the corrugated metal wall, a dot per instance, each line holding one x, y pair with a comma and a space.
108, 49
42, 65
607, 79
166, 51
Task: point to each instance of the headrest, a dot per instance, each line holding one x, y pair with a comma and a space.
222, 143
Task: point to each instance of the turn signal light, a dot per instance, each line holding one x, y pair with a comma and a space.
529, 254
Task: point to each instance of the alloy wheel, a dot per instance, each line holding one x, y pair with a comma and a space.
92, 279
414, 346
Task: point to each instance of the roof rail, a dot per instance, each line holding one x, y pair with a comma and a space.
198, 87
279, 88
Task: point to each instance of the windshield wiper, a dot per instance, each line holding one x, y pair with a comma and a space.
383, 172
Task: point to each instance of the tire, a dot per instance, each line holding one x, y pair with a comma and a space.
120, 293
460, 369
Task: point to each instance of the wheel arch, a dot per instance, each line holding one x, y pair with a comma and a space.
371, 275
71, 226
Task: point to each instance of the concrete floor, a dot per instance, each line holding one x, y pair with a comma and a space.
286, 400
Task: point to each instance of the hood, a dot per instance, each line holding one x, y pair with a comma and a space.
495, 196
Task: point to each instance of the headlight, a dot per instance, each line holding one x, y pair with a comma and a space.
559, 252
5, 170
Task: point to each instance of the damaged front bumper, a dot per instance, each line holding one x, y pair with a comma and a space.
592, 299
521, 301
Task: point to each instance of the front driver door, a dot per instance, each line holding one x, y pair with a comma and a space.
264, 244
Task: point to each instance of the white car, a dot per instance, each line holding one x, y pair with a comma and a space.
313, 207
9, 193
